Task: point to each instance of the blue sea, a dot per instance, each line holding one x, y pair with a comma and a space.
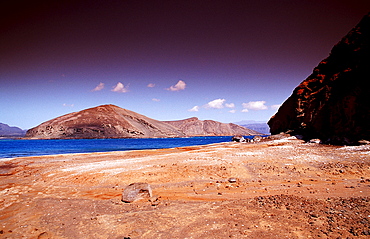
11, 148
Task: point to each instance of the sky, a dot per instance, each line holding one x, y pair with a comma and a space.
227, 61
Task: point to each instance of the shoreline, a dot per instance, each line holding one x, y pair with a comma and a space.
104, 152
106, 148
79, 195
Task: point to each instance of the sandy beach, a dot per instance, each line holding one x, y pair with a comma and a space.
281, 188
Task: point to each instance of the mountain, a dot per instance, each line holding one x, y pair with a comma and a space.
195, 127
110, 121
10, 131
332, 104
259, 126
106, 121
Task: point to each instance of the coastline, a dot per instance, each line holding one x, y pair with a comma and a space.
78, 195
18, 148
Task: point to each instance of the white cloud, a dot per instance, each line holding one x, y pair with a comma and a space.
156, 100
245, 110
68, 105
215, 104
275, 107
231, 105
120, 88
180, 85
254, 105
99, 87
194, 109
151, 85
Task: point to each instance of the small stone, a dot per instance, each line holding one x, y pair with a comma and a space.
363, 142
44, 235
232, 180
154, 200
257, 138
136, 191
314, 215
315, 141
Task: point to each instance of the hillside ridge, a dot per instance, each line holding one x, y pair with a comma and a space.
111, 121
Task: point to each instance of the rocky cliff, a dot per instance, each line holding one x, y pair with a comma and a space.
195, 127
333, 103
106, 121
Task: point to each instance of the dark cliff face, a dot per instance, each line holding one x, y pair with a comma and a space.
195, 127
333, 103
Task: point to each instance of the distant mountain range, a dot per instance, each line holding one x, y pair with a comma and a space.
110, 121
11, 131
259, 126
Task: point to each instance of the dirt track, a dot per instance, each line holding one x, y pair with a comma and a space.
284, 189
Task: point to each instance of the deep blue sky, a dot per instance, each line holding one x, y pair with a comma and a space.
222, 60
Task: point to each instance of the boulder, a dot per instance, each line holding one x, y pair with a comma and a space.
238, 138
136, 191
315, 141
257, 138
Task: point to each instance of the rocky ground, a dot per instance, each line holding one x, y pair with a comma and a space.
283, 188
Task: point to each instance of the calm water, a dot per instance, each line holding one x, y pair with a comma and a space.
10, 148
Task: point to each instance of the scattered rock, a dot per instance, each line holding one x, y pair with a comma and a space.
314, 215
281, 135
257, 138
232, 180
136, 191
154, 200
363, 142
314, 141
44, 235
238, 138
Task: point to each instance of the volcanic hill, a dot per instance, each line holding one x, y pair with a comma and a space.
110, 121
194, 126
332, 104
106, 121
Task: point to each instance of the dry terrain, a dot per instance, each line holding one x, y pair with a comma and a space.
282, 188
